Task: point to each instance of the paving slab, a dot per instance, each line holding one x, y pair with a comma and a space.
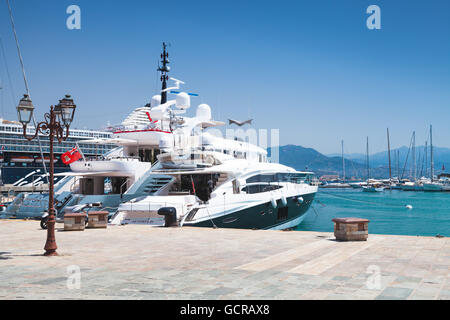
142, 262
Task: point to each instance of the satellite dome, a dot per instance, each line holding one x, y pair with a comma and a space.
156, 101
204, 112
183, 100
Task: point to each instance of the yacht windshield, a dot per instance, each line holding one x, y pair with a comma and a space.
199, 184
282, 177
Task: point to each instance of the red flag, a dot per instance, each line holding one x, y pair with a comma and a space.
71, 156
193, 186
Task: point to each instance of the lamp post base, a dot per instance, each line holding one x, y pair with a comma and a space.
51, 253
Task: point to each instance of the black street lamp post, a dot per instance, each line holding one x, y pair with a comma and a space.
60, 117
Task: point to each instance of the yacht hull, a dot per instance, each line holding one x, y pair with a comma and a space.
263, 216
30, 175
433, 187
412, 188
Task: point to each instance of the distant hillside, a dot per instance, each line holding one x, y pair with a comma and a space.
405, 161
302, 158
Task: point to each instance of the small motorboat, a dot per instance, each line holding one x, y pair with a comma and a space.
372, 189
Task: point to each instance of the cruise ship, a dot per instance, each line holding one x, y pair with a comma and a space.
21, 160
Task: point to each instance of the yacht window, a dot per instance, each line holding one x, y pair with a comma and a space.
102, 185
107, 186
282, 177
199, 184
147, 155
118, 185
262, 178
191, 214
258, 188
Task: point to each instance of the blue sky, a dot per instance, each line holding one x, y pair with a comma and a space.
310, 68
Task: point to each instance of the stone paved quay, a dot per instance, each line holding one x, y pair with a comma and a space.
140, 262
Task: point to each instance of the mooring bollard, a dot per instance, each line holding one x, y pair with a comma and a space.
351, 229
97, 219
74, 221
170, 216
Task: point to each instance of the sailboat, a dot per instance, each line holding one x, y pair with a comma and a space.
369, 187
342, 184
442, 184
415, 184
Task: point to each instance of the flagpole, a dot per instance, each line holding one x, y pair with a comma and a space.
79, 150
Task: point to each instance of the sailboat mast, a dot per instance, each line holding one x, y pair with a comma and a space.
343, 162
426, 158
414, 156
389, 155
367, 151
431, 153
398, 165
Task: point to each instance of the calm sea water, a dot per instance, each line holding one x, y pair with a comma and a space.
385, 210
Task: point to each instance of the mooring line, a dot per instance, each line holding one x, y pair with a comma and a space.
362, 201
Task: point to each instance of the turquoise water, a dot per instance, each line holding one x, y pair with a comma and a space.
385, 210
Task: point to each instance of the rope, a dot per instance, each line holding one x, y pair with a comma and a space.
406, 161
210, 219
361, 201
26, 83
7, 70
1, 97
315, 211
322, 204
18, 48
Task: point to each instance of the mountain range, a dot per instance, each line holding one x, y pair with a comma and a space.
302, 159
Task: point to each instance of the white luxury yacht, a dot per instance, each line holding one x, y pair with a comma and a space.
222, 191
219, 182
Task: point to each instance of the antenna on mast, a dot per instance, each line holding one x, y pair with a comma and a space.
164, 69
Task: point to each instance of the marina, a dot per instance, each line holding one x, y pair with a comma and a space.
428, 214
168, 167
199, 177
